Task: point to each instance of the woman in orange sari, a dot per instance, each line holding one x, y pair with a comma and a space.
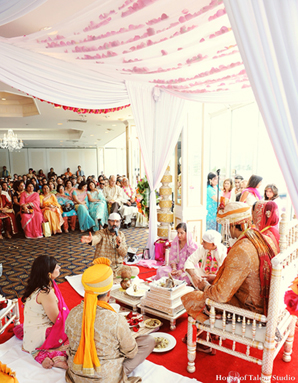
51, 210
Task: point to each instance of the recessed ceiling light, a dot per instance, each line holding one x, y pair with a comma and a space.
3, 99
61, 141
59, 123
107, 132
113, 125
91, 135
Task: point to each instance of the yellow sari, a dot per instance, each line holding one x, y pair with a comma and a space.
52, 212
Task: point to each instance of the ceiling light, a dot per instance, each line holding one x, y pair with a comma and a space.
61, 141
3, 99
11, 141
91, 135
46, 28
59, 123
113, 125
107, 132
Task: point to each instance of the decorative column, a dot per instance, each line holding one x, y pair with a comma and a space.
164, 215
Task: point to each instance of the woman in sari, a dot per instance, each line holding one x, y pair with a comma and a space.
51, 210
82, 207
31, 215
251, 194
7, 217
182, 247
18, 187
212, 187
98, 208
265, 217
69, 188
45, 313
68, 208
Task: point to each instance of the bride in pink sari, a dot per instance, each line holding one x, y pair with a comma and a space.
31, 215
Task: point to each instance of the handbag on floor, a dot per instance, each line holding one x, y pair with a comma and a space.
46, 229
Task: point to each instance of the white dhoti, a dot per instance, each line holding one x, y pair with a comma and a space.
127, 212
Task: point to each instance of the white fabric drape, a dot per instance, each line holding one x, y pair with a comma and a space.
11, 10
267, 36
185, 47
159, 117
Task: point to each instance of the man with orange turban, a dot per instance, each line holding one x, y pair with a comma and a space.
101, 346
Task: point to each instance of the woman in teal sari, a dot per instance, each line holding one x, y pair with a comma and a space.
82, 207
68, 208
97, 206
212, 185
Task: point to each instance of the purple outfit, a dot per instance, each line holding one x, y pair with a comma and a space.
179, 257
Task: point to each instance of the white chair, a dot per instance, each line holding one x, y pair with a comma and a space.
9, 314
267, 333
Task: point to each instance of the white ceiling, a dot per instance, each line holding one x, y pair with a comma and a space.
43, 130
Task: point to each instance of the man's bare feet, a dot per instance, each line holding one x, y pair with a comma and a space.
61, 364
47, 363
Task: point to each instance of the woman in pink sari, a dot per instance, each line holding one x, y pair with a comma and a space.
251, 194
31, 215
182, 247
45, 313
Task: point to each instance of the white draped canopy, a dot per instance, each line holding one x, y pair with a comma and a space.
116, 52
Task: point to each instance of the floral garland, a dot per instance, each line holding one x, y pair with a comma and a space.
131, 191
142, 192
83, 110
291, 298
211, 264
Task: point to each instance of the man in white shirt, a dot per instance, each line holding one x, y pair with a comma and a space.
207, 259
113, 195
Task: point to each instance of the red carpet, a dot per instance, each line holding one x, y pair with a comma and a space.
209, 368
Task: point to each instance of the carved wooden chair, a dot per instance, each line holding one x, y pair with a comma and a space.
266, 333
9, 314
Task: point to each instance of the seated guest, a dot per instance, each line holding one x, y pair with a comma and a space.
45, 313
111, 243
5, 172
82, 207
119, 182
36, 187
52, 188
19, 187
127, 210
207, 259
101, 345
244, 277
51, 173
5, 190
227, 188
97, 206
7, 216
113, 195
74, 182
101, 184
265, 217
80, 172
68, 173
79, 180
68, 208
51, 210
41, 173
251, 194
30, 174
69, 188
25, 179
31, 215
182, 247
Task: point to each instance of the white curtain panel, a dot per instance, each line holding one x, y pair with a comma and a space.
159, 118
267, 36
11, 10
